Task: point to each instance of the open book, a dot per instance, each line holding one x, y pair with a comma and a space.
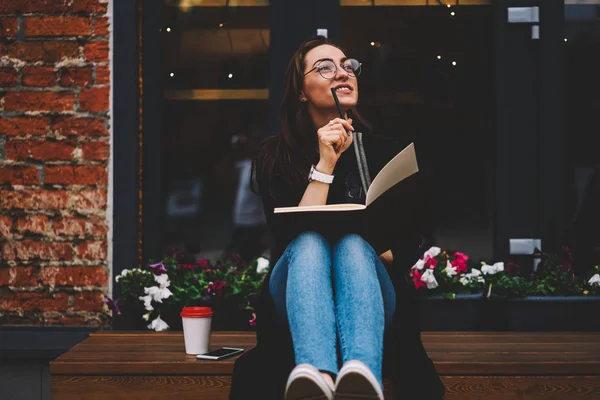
403, 165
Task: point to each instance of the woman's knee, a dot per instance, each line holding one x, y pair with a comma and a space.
353, 252
309, 248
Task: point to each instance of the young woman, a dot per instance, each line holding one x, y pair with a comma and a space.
332, 300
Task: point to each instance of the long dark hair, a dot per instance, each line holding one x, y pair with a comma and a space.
295, 149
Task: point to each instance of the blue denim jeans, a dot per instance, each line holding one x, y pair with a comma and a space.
328, 293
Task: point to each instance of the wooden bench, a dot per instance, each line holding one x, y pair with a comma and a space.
473, 365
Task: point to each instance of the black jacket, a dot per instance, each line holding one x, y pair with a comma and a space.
262, 372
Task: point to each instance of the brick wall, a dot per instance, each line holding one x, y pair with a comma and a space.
54, 152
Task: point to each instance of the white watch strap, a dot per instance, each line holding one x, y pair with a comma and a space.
319, 176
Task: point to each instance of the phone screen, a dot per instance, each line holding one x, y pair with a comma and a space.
220, 352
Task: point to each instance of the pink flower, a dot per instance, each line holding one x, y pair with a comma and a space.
202, 263
460, 265
430, 262
158, 268
252, 321
416, 276
461, 256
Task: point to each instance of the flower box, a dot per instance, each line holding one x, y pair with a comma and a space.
463, 313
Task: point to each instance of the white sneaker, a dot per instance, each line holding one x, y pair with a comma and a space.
306, 383
356, 381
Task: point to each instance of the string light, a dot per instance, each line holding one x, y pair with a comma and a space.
448, 5
230, 76
566, 40
454, 63
168, 29
372, 43
172, 74
221, 25
439, 57
452, 13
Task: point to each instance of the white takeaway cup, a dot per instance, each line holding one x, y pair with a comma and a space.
196, 329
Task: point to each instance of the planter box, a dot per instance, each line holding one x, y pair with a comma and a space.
543, 313
464, 313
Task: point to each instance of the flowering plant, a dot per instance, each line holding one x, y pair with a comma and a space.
447, 273
554, 276
175, 283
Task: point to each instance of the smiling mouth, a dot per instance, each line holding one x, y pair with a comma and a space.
344, 88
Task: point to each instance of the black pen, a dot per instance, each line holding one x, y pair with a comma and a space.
339, 107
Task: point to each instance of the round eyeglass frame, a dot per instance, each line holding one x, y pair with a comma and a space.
355, 72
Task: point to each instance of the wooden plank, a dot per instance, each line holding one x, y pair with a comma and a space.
186, 4
521, 387
464, 353
140, 387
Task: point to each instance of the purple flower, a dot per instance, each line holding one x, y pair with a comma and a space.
113, 305
158, 269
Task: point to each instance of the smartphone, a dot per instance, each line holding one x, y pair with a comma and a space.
219, 354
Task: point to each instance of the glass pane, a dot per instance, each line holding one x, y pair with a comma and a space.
582, 80
428, 72
216, 75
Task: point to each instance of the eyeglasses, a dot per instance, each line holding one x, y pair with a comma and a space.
328, 69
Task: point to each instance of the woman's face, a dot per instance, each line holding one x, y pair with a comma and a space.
317, 90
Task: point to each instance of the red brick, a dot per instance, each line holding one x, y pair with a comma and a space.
39, 101
6, 223
8, 27
67, 126
98, 228
36, 250
76, 77
35, 199
96, 51
9, 77
90, 200
92, 250
32, 301
76, 175
23, 126
19, 175
25, 150
101, 26
19, 277
35, 6
39, 76
48, 52
95, 100
74, 276
36, 224
89, 301
102, 75
69, 226
90, 6
97, 151
58, 26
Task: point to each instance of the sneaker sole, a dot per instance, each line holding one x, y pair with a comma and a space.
353, 386
304, 388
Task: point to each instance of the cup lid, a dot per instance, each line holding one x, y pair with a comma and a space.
196, 312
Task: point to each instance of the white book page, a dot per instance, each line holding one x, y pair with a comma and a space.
327, 207
399, 168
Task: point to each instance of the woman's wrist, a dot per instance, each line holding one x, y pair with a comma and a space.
325, 167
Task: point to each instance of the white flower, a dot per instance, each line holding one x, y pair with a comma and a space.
162, 280
474, 272
262, 265
492, 269
433, 252
595, 280
450, 270
158, 293
419, 265
124, 273
158, 325
147, 302
464, 280
146, 316
429, 278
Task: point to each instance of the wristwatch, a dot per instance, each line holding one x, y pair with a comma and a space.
315, 175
